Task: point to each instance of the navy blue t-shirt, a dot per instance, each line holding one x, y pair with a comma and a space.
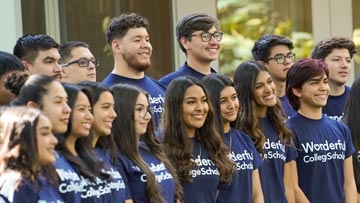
184, 70
289, 110
154, 88
17, 190
335, 105
247, 159
71, 184
116, 184
322, 145
205, 178
135, 178
48, 193
276, 155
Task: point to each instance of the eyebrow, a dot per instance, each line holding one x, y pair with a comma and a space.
44, 128
48, 57
142, 105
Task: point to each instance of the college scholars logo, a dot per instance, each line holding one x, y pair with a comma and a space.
322, 152
206, 167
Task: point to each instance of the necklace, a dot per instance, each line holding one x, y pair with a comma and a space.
197, 161
230, 143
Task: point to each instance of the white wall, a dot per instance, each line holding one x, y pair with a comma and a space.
184, 7
332, 18
11, 24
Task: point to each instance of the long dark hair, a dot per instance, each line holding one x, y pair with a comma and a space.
85, 162
351, 118
244, 80
215, 83
177, 145
128, 143
106, 143
18, 144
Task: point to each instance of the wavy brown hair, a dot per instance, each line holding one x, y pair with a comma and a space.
18, 144
178, 146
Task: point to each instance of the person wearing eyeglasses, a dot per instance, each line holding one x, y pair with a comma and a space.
274, 52
78, 63
129, 40
337, 53
39, 54
199, 37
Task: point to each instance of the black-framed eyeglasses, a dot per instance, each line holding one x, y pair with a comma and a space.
206, 37
281, 58
83, 62
143, 111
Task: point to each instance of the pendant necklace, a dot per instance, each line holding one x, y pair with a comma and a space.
197, 161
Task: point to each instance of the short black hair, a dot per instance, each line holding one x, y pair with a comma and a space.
262, 47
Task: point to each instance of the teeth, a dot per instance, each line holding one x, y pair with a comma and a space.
87, 125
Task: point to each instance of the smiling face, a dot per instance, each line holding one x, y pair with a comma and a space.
104, 114
313, 93
229, 106
339, 65
203, 52
142, 117
195, 109
74, 73
55, 107
82, 118
135, 49
264, 92
46, 141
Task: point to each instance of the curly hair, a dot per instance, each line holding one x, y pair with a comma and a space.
120, 25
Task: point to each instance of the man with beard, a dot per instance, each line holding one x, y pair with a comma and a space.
129, 40
199, 38
39, 54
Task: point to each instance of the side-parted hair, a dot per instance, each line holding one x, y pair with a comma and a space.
262, 47
351, 118
245, 78
28, 88
120, 25
86, 161
106, 143
324, 47
299, 73
27, 47
214, 84
66, 48
178, 146
18, 144
128, 143
9, 63
188, 24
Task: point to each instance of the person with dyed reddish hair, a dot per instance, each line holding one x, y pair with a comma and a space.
324, 145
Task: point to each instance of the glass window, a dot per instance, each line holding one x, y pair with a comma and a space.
243, 22
86, 20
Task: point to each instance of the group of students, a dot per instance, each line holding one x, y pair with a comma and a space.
193, 136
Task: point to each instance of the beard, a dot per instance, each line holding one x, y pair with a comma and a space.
132, 61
